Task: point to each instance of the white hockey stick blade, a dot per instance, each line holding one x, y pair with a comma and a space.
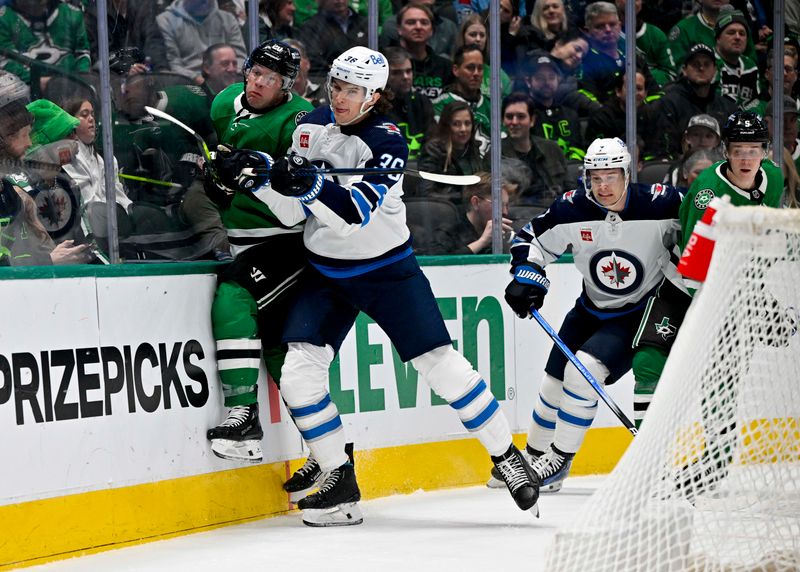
346, 514
465, 180
167, 117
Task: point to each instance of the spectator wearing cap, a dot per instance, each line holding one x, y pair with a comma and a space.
606, 57
544, 158
652, 43
695, 92
698, 28
737, 75
790, 114
702, 134
609, 120
466, 86
554, 120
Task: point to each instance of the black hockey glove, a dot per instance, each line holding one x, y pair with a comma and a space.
295, 176
527, 289
241, 169
221, 197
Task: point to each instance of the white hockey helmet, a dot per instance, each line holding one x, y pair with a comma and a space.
609, 153
361, 66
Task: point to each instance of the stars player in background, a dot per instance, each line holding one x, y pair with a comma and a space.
748, 178
360, 255
622, 237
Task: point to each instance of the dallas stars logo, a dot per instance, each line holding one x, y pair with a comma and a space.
615, 272
665, 329
703, 198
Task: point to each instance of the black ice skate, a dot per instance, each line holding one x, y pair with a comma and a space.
336, 502
552, 468
307, 477
496, 481
238, 438
522, 482
703, 475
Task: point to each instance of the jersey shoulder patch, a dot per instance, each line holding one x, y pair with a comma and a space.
674, 33
299, 116
657, 190
703, 198
569, 196
390, 128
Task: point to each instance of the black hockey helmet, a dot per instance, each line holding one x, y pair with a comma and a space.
744, 127
278, 57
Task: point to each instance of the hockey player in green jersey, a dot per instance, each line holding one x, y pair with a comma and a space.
748, 178
251, 298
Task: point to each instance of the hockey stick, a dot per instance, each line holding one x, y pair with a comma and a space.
584, 372
167, 117
435, 177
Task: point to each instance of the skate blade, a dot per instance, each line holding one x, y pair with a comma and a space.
346, 514
551, 488
296, 496
534, 510
493, 483
248, 451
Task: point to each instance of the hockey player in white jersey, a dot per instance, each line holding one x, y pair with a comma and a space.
360, 255
622, 237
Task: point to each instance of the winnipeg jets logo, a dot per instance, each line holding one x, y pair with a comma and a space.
616, 271
568, 196
665, 329
657, 190
391, 128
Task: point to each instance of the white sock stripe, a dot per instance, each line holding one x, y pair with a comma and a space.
239, 344
642, 398
226, 364
316, 419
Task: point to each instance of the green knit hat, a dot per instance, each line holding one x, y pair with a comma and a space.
50, 122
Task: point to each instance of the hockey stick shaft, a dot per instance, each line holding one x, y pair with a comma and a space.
435, 177
175, 121
598, 388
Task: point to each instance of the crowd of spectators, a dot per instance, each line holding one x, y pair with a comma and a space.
561, 79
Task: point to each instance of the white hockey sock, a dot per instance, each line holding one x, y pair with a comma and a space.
304, 386
543, 422
452, 377
578, 404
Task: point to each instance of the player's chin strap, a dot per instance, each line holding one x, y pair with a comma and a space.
590, 194
361, 113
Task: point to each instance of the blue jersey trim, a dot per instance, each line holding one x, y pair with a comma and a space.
358, 269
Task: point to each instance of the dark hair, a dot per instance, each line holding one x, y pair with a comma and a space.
441, 131
208, 55
72, 104
384, 104
458, 56
569, 35
418, 6
396, 55
518, 97
273, 7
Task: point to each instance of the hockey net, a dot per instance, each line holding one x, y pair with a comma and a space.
712, 481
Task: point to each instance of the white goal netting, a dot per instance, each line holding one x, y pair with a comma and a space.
712, 481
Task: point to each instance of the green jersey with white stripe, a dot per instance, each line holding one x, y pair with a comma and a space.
248, 220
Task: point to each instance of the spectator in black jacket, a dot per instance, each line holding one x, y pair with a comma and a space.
411, 111
331, 31
554, 120
415, 28
694, 93
610, 119
130, 25
544, 158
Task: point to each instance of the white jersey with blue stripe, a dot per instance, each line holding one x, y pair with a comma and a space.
357, 222
622, 256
